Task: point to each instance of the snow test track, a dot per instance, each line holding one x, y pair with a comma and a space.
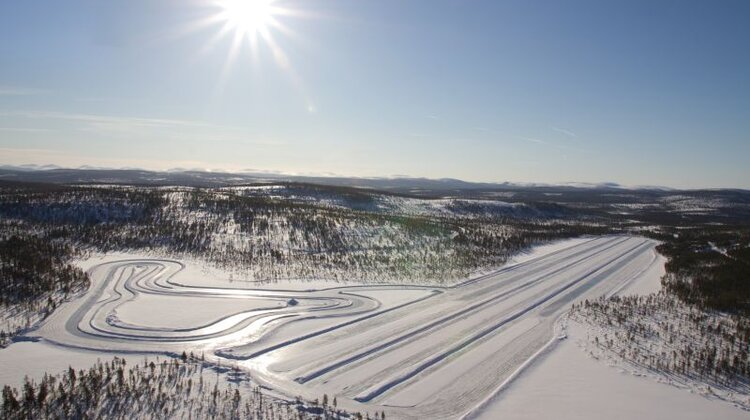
411, 351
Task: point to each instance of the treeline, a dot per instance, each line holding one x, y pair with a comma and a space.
710, 267
696, 330
176, 388
660, 333
32, 267
274, 239
80, 206
35, 277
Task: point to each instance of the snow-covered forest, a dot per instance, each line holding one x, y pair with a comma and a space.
694, 331
168, 388
681, 342
35, 277
269, 237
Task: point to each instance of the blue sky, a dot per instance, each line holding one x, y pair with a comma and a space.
636, 92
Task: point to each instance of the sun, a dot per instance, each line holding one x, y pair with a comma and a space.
254, 26
248, 17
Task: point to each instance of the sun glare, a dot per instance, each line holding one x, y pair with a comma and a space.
253, 25
249, 17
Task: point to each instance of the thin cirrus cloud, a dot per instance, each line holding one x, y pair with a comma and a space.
135, 126
105, 119
537, 141
566, 132
25, 130
66, 159
20, 91
561, 147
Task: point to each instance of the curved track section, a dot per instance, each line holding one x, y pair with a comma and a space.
414, 352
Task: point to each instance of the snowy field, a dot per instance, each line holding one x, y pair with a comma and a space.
411, 351
567, 384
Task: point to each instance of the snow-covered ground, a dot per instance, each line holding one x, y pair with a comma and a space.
566, 381
568, 384
34, 359
411, 351
542, 250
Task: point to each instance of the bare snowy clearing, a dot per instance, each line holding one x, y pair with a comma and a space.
569, 384
573, 379
34, 359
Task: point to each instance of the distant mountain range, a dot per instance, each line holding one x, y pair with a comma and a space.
204, 178
604, 199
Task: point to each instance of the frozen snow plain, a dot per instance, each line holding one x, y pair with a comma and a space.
412, 351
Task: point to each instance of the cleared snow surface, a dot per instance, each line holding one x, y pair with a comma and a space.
568, 384
565, 382
34, 359
411, 351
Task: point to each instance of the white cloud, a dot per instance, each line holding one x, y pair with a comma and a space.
537, 141
566, 132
